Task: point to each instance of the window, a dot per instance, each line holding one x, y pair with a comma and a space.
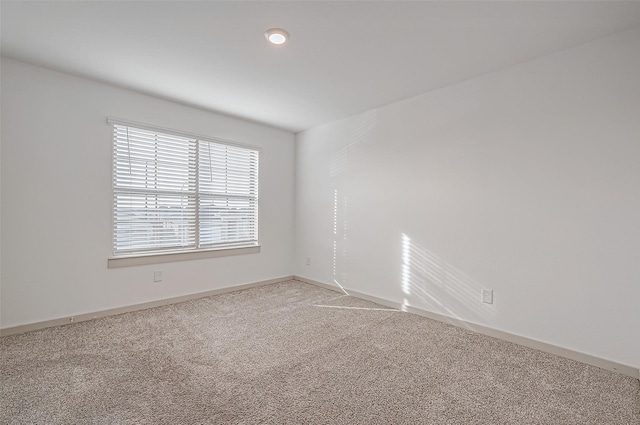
176, 193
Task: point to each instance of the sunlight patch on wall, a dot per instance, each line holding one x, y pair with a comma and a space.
339, 240
432, 283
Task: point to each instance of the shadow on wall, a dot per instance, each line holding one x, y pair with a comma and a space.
361, 133
430, 283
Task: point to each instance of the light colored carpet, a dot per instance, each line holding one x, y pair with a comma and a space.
291, 353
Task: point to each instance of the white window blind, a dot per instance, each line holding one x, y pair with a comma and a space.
180, 193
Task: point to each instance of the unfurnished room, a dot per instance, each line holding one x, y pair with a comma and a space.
320, 212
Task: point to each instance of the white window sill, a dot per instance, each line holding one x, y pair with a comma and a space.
169, 257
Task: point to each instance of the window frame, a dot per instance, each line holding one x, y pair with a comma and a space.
163, 255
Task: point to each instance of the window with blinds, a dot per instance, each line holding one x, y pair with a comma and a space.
178, 193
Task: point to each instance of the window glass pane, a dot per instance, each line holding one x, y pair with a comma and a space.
146, 221
227, 170
151, 161
227, 220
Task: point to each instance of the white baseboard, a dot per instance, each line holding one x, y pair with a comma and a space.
320, 284
136, 307
484, 330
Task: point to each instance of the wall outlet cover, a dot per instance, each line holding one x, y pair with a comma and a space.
487, 296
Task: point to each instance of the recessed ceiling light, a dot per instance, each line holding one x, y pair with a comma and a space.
276, 36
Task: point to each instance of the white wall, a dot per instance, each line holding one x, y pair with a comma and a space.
526, 181
57, 198
0, 194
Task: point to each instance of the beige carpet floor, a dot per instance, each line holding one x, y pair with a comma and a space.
292, 353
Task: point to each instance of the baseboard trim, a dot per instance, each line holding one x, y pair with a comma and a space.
136, 307
320, 284
484, 330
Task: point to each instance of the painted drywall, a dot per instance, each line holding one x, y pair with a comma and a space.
525, 181
57, 198
0, 193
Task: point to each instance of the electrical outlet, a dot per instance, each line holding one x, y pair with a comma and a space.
308, 261
487, 296
157, 276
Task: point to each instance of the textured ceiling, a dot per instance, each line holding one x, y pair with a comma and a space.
343, 57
